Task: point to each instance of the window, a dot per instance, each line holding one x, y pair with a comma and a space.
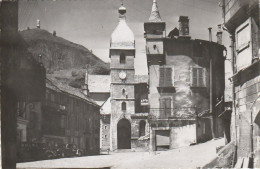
165, 107
243, 35
122, 58
123, 106
105, 127
123, 92
52, 97
63, 122
142, 128
105, 136
166, 78
198, 77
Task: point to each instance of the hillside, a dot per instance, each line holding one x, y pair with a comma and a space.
60, 54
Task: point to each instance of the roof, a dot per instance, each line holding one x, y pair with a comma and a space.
106, 107
155, 15
99, 83
122, 37
54, 84
141, 78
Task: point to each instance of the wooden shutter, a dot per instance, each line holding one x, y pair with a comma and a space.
168, 107
204, 77
194, 77
166, 77
165, 107
161, 78
255, 39
200, 77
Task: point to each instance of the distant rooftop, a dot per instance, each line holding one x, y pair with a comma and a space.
99, 83
55, 84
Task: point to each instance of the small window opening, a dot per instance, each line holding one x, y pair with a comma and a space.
122, 58
123, 106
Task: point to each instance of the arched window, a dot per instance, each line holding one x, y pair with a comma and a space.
142, 128
122, 58
123, 106
123, 91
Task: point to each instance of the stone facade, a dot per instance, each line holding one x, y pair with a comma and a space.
186, 82
125, 132
241, 18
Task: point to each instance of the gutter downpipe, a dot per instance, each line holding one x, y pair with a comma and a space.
233, 97
211, 86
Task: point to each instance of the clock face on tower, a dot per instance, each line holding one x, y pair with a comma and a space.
122, 75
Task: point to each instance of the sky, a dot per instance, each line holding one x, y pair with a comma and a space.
91, 22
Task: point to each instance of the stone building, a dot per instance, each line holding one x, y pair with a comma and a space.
186, 85
70, 117
122, 94
22, 81
241, 20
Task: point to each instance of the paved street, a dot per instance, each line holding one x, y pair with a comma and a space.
186, 157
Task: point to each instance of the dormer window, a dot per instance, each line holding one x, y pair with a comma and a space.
122, 58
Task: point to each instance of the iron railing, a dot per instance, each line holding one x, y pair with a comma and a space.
173, 113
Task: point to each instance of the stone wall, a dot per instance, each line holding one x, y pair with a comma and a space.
105, 132
247, 92
182, 132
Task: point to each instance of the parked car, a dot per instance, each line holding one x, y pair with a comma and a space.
60, 150
69, 150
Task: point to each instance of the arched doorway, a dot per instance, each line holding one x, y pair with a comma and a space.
124, 134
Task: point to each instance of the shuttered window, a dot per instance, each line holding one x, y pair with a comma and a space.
243, 35
166, 76
198, 77
165, 107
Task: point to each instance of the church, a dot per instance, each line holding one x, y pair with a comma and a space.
179, 103
122, 94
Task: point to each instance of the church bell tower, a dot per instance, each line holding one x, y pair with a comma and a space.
154, 35
122, 72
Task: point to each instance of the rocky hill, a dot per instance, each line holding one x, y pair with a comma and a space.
57, 53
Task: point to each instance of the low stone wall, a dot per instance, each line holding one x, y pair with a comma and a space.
140, 145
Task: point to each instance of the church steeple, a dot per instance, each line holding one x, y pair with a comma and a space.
122, 37
155, 15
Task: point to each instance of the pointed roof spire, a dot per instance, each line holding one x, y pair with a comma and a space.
155, 15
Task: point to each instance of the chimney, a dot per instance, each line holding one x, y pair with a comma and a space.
54, 33
38, 23
210, 34
184, 27
219, 35
85, 90
85, 86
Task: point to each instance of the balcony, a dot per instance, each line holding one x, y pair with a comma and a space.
173, 113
